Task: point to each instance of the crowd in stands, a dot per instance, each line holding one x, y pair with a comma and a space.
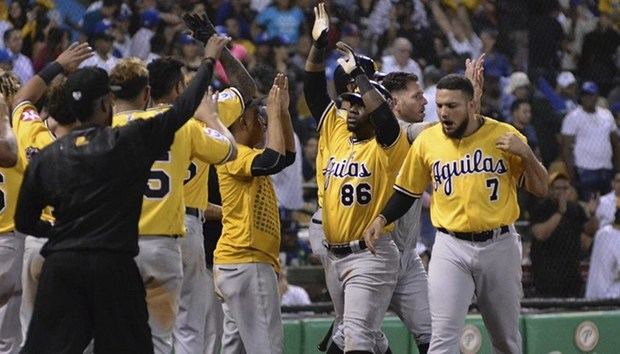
552, 69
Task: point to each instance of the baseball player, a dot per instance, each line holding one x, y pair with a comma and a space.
162, 216
192, 316
31, 135
475, 165
246, 258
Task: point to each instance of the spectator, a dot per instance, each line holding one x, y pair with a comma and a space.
189, 53
458, 30
588, 144
606, 210
108, 9
557, 224
284, 19
400, 59
545, 37
56, 41
17, 14
309, 163
495, 63
604, 274
141, 40
597, 55
236, 10
544, 119
122, 39
521, 117
158, 48
431, 77
566, 88
102, 39
22, 66
291, 295
288, 183
6, 61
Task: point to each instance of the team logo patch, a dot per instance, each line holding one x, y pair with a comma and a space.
214, 134
29, 115
224, 96
31, 152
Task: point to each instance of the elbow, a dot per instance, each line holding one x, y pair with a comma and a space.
8, 159
233, 152
540, 190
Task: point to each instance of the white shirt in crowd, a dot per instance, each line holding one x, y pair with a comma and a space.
604, 274
592, 131
606, 210
430, 110
389, 64
471, 46
105, 64
141, 43
288, 183
22, 67
295, 296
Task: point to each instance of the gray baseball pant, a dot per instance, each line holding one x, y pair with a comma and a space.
161, 268
214, 324
11, 253
190, 322
492, 271
251, 304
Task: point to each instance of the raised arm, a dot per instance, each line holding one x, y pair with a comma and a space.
207, 113
202, 29
8, 143
285, 115
382, 117
474, 71
315, 83
66, 62
270, 161
441, 18
167, 123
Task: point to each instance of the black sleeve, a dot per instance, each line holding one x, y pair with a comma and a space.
542, 211
164, 126
30, 204
289, 159
315, 92
267, 163
397, 206
387, 128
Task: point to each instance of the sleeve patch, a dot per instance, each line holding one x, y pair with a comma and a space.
225, 96
29, 115
213, 134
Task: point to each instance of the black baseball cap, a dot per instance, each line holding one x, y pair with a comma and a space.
355, 97
83, 87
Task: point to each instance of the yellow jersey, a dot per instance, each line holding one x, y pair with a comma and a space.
230, 107
32, 135
474, 183
163, 208
359, 176
250, 216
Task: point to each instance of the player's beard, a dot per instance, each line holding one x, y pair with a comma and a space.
460, 129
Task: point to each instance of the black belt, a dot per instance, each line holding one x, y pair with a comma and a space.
475, 236
315, 221
347, 248
192, 211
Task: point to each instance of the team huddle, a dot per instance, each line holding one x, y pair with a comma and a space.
102, 246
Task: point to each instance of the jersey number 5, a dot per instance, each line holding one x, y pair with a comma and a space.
158, 185
493, 185
361, 193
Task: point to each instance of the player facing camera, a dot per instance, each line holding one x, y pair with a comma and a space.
358, 118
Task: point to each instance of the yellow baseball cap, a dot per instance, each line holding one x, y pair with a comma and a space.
558, 174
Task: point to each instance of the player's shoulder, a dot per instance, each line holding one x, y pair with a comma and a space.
499, 127
25, 111
123, 118
432, 133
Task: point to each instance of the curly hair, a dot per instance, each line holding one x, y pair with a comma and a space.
9, 84
128, 78
57, 103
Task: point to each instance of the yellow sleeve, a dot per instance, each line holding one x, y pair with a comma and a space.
209, 145
415, 173
30, 131
333, 125
242, 165
230, 106
516, 168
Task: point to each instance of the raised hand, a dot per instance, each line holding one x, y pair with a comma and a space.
348, 61
474, 71
201, 27
215, 45
282, 82
207, 110
321, 25
73, 56
274, 102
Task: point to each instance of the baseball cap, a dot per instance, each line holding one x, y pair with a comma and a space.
149, 18
517, 79
185, 39
355, 97
557, 175
84, 86
589, 88
615, 108
565, 79
103, 29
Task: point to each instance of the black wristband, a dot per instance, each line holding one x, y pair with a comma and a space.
357, 72
50, 71
321, 43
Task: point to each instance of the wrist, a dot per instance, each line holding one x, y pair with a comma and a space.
209, 60
382, 219
50, 71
